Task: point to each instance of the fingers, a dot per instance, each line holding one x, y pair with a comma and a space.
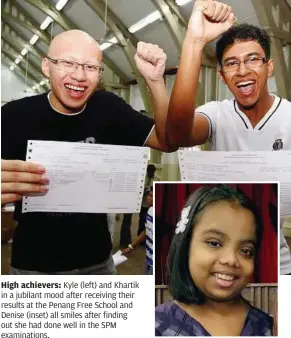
16, 165
15, 176
215, 11
23, 188
151, 53
10, 198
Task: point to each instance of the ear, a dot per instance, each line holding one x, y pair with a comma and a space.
270, 65
45, 66
220, 75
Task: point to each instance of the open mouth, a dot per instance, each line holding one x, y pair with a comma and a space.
246, 87
225, 280
75, 91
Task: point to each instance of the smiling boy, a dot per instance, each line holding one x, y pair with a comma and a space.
73, 111
255, 120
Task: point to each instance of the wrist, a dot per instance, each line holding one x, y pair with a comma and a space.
130, 246
155, 83
195, 41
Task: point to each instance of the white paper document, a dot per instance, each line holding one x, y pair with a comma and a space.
221, 166
88, 178
119, 258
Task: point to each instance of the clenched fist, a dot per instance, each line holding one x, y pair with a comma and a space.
151, 61
209, 20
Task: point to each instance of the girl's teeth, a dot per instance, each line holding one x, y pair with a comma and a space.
225, 277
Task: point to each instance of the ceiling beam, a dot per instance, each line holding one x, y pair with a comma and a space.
127, 42
272, 16
32, 65
21, 44
66, 23
208, 57
30, 75
18, 71
33, 49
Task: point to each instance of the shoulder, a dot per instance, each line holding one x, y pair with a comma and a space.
23, 105
214, 107
166, 310
286, 105
261, 320
106, 97
150, 211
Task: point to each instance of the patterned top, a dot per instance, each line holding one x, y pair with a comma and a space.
149, 237
171, 320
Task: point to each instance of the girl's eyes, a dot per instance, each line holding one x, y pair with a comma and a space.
247, 252
214, 244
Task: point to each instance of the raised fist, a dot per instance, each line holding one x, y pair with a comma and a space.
151, 61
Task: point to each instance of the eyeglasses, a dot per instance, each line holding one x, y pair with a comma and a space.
251, 63
71, 66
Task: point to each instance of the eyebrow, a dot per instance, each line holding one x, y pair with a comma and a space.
249, 54
222, 234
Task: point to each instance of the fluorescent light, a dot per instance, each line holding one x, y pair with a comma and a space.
17, 60
34, 87
113, 40
105, 45
34, 39
108, 44
47, 21
24, 51
60, 5
182, 2
154, 16
11, 67
42, 83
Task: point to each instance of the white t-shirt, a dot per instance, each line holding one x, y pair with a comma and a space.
231, 130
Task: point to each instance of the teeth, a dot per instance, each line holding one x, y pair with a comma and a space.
245, 83
75, 88
223, 276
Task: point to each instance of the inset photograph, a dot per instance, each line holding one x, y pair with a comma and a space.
216, 259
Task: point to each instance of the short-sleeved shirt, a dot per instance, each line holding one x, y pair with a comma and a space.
47, 241
171, 321
231, 129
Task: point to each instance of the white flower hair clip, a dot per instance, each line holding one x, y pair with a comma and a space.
181, 225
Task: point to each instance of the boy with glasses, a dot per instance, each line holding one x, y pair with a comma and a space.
255, 120
73, 111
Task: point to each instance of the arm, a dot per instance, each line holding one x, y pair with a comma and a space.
151, 61
141, 238
17, 177
209, 19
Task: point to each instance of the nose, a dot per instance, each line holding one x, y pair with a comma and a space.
79, 74
243, 69
230, 258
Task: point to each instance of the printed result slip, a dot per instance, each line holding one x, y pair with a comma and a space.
221, 166
88, 178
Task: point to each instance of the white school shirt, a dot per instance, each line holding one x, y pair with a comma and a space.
231, 130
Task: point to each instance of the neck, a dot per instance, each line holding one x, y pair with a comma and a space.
256, 112
213, 308
57, 106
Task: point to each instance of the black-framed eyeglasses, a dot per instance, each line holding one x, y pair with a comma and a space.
71, 66
251, 62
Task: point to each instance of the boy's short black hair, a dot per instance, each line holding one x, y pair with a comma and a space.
242, 33
181, 285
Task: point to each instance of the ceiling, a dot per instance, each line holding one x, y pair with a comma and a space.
80, 14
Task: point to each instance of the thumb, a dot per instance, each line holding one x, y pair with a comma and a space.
232, 19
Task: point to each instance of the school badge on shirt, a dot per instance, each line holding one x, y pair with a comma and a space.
278, 144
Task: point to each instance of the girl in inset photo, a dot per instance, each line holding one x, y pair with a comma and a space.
211, 260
